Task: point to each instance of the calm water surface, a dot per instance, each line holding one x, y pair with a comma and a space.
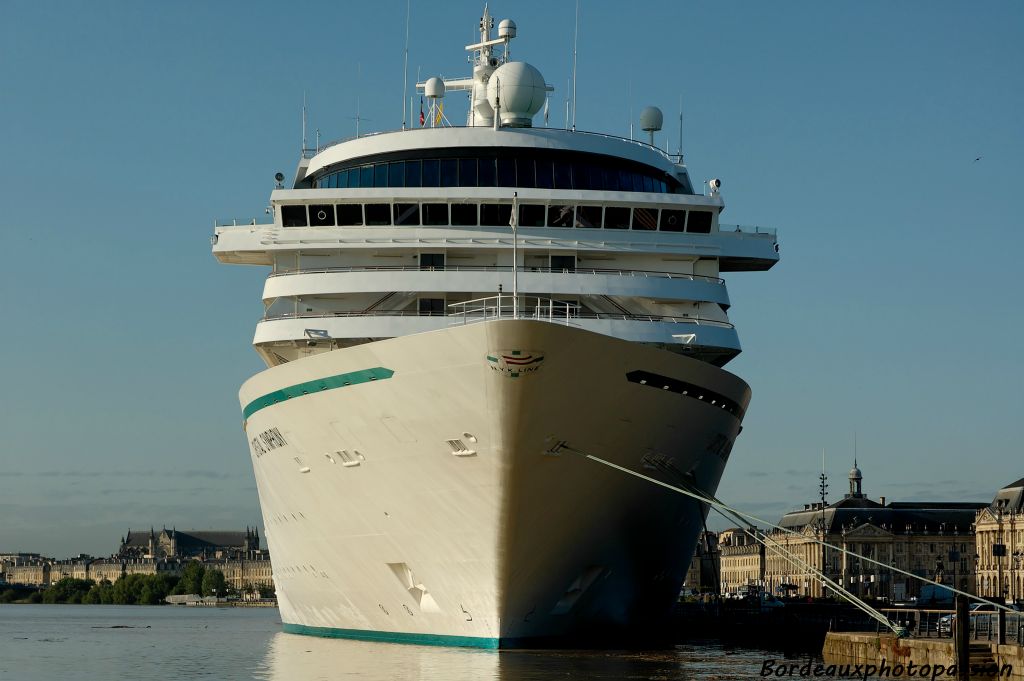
94, 642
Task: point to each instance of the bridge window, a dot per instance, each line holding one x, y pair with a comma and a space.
672, 220
588, 216
699, 221
465, 215
435, 214
495, 214
506, 172
645, 218
293, 216
560, 216
531, 215
321, 216
396, 174
449, 172
378, 214
407, 214
616, 217
380, 175
350, 214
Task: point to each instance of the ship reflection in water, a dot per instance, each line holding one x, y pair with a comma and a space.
305, 658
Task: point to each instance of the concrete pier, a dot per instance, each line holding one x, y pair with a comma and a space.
872, 649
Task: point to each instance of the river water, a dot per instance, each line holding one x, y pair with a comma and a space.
97, 642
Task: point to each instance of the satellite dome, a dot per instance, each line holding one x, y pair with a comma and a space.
507, 28
651, 119
523, 92
434, 88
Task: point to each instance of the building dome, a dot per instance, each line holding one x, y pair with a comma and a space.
522, 90
855, 473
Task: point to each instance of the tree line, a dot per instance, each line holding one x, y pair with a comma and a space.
129, 589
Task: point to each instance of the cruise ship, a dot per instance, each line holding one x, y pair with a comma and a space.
456, 317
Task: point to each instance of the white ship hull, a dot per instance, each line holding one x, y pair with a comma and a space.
415, 496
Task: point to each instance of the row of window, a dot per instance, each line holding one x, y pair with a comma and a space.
473, 214
499, 172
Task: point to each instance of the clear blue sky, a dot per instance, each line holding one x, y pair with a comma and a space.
126, 128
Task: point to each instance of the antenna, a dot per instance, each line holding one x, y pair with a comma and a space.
679, 148
405, 64
303, 121
823, 486
576, 37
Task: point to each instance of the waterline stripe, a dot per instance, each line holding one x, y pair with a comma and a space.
320, 384
393, 636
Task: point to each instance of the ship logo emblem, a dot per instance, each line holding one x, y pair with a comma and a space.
515, 363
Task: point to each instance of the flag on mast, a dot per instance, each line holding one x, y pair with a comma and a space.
423, 119
547, 101
440, 113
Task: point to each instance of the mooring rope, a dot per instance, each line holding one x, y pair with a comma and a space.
711, 501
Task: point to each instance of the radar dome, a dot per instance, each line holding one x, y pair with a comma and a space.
651, 119
434, 88
507, 29
522, 90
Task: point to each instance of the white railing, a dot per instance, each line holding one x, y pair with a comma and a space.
502, 307
500, 268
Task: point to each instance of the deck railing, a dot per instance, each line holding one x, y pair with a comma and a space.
644, 274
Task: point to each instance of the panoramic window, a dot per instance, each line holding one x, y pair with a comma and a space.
484, 167
431, 172
432, 306
433, 261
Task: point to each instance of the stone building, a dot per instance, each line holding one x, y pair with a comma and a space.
203, 544
928, 539
702, 575
245, 574
1001, 524
742, 560
30, 571
75, 568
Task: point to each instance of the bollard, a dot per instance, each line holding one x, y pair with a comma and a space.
1001, 619
961, 644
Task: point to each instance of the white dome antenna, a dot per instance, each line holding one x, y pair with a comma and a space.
521, 95
434, 88
651, 120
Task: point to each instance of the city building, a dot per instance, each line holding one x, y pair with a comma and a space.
173, 543
742, 559
999, 551
702, 575
929, 539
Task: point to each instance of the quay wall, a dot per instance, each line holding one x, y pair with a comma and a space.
872, 648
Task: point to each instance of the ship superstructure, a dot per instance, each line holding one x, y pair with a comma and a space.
446, 303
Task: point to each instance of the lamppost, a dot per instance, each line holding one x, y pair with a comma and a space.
1017, 556
999, 550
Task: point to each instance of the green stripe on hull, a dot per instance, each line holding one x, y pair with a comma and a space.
394, 637
319, 385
